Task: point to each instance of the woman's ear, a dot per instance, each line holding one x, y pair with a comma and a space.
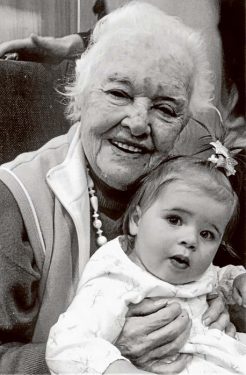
134, 220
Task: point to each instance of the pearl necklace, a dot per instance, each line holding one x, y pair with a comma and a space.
97, 223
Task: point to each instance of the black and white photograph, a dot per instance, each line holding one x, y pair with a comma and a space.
122, 187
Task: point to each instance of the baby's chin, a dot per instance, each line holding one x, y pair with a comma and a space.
179, 279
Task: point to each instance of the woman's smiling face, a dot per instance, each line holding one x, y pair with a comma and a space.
134, 107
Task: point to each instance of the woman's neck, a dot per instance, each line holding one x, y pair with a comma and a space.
112, 202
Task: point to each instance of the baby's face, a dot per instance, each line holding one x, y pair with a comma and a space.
178, 235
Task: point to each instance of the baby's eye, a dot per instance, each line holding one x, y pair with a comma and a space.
174, 220
207, 235
118, 93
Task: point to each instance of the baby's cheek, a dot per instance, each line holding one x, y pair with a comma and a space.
203, 262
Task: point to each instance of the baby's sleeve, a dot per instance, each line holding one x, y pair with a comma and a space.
82, 341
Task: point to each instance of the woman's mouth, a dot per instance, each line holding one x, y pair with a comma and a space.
180, 261
132, 149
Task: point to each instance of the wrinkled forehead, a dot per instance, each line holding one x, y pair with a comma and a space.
144, 56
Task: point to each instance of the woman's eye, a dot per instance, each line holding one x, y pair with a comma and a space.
118, 93
207, 235
174, 220
166, 110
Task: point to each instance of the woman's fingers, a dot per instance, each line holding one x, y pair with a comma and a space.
153, 336
162, 367
230, 330
148, 306
239, 290
217, 316
222, 322
237, 296
165, 350
216, 307
171, 337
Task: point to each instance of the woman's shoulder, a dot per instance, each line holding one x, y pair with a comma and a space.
10, 215
15, 249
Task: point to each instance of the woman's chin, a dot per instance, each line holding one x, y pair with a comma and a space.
119, 180
120, 177
119, 183
118, 168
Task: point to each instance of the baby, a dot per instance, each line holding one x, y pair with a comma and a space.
173, 228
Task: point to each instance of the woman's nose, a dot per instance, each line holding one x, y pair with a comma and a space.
138, 121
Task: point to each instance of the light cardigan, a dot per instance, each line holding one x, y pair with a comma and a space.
50, 187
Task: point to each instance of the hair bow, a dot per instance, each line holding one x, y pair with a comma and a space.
225, 145
222, 158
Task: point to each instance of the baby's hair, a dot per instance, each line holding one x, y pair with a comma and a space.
139, 18
194, 172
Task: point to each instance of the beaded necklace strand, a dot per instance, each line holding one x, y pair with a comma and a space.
97, 223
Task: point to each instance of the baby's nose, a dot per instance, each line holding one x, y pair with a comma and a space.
189, 239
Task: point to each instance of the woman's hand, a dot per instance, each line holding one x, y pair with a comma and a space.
217, 315
239, 290
42, 49
153, 331
125, 367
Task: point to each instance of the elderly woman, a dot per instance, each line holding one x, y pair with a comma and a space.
136, 88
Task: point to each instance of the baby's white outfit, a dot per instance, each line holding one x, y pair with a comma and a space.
82, 341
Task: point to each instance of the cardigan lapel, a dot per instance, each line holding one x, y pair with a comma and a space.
68, 181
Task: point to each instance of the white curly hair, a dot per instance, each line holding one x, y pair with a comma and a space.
142, 18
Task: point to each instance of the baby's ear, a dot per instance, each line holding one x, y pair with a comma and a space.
134, 220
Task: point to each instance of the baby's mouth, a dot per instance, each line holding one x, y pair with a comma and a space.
180, 261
